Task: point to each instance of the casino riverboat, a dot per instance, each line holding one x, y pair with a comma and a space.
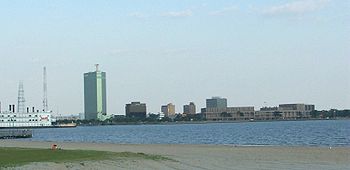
10, 119
29, 117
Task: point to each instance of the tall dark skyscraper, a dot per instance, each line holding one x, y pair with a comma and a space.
95, 105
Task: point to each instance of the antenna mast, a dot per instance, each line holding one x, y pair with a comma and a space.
96, 65
45, 105
21, 100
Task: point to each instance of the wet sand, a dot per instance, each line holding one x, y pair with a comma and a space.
200, 156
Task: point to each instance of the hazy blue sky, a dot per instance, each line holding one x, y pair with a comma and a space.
157, 51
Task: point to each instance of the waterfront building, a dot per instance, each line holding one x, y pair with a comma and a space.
241, 113
168, 110
267, 113
285, 111
95, 102
136, 110
214, 107
231, 113
295, 111
216, 102
190, 108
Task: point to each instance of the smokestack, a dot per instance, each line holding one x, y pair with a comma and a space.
13, 108
10, 108
33, 109
27, 109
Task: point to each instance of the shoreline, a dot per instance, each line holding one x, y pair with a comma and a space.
206, 122
189, 156
172, 123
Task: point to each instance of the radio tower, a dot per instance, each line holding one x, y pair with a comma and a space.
21, 100
45, 105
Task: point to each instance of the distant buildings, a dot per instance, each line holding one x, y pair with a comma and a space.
214, 107
228, 113
95, 104
136, 110
267, 113
241, 113
67, 117
216, 102
215, 110
190, 108
168, 110
81, 116
285, 111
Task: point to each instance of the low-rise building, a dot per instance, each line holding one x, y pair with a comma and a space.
267, 113
285, 111
241, 113
217, 110
295, 111
230, 113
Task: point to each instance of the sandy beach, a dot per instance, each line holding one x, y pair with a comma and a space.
200, 156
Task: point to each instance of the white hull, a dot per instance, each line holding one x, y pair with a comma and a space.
18, 120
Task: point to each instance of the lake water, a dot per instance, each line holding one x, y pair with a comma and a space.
281, 133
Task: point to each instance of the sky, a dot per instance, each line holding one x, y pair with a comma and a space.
254, 53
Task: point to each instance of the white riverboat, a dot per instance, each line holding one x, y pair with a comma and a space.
25, 120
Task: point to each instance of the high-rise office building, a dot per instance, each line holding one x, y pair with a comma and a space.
136, 110
216, 102
95, 102
190, 108
164, 109
168, 110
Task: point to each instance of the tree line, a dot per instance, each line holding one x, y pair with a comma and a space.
156, 119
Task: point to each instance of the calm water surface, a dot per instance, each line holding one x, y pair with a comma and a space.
290, 133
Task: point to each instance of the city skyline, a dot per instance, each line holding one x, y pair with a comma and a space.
251, 53
93, 77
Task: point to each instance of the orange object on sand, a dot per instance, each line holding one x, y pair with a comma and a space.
53, 147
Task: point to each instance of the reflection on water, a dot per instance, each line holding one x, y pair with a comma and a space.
291, 133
